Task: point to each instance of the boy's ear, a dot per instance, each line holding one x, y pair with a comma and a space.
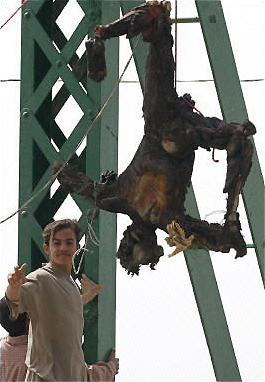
46, 249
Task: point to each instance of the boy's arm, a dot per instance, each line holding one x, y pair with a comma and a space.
89, 289
15, 280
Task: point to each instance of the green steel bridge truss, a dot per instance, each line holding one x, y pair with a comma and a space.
48, 56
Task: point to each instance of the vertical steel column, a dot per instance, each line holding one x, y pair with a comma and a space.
47, 55
234, 109
101, 155
34, 66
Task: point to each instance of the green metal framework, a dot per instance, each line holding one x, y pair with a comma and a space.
47, 56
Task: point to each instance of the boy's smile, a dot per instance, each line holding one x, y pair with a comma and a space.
61, 248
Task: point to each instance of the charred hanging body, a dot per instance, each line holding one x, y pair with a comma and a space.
151, 191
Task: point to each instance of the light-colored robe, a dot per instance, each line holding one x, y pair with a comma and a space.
13, 353
54, 304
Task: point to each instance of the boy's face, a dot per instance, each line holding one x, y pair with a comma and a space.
61, 248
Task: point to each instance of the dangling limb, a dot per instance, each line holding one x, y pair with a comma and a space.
73, 180
104, 193
238, 167
212, 236
232, 137
143, 19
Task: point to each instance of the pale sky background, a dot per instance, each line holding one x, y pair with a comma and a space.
159, 333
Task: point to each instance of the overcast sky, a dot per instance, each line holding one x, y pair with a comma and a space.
159, 333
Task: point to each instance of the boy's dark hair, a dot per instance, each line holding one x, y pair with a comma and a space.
58, 225
16, 327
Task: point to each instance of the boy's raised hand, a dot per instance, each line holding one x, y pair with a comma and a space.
89, 289
15, 279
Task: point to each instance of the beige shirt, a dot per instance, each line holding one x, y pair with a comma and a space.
55, 341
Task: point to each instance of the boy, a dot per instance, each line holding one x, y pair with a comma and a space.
54, 304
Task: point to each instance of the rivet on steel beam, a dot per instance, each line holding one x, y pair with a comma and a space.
90, 113
212, 19
59, 64
25, 113
24, 214
26, 14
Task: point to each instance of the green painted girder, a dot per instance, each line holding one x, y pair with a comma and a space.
37, 153
101, 264
29, 227
210, 307
233, 108
141, 52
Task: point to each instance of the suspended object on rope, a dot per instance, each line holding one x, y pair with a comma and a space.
151, 191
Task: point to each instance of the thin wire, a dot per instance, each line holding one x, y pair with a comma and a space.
81, 260
52, 179
198, 111
84, 248
176, 47
11, 80
92, 235
13, 14
90, 229
215, 213
137, 82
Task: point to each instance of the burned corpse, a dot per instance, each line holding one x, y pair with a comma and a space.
151, 191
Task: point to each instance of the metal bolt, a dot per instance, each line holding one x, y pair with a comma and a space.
59, 64
25, 113
26, 14
24, 214
212, 19
90, 113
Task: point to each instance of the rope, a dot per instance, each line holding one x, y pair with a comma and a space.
91, 232
193, 107
217, 212
13, 14
84, 249
176, 47
52, 179
198, 111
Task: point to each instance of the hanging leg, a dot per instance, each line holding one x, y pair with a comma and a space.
143, 19
213, 236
